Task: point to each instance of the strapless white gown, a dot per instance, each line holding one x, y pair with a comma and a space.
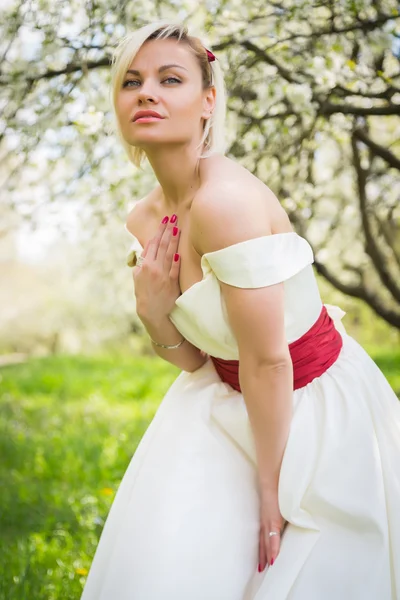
184, 524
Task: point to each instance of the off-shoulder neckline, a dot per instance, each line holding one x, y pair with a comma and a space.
194, 286
272, 235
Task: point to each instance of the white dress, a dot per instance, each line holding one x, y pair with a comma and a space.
184, 524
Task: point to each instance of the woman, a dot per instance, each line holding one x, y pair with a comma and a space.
272, 467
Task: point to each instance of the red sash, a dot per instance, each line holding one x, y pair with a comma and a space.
311, 355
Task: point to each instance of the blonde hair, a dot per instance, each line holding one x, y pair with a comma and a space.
213, 137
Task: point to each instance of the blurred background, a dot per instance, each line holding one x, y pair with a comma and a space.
313, 111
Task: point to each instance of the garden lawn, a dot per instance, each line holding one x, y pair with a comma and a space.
68, 429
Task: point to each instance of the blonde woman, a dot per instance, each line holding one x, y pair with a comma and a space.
272, 467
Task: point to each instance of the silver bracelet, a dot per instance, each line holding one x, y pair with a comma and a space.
168, 346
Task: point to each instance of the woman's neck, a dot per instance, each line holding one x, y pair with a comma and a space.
178, 172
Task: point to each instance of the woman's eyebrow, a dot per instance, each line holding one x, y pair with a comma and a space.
163, 68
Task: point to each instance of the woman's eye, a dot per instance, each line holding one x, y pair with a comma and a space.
136, 81
133, 82
126, 83
172, 79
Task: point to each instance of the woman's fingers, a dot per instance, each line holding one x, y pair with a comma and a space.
152, 246
270, 546
261, 551
164, 244
163, 247
174, 272
169, 243
273, 546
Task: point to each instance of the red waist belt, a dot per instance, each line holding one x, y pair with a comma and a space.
311, 355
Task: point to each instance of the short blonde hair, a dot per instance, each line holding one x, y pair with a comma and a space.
213, 137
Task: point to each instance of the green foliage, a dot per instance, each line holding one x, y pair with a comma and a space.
312, 111
68, 429
388, 360
373, 333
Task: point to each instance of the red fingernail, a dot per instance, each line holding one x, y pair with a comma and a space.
165, 220
176, 257
259, 568
175, 231
272, 561
173, 218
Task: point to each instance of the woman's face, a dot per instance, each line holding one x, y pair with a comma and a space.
163, 77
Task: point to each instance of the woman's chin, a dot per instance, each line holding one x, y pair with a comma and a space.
151, 141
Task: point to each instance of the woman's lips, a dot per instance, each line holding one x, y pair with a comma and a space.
147, 119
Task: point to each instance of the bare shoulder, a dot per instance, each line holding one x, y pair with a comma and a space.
139, 216
232, 205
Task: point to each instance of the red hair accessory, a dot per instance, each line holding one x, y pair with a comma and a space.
210, 55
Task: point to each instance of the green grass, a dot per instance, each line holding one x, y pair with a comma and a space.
68, 429
388, 360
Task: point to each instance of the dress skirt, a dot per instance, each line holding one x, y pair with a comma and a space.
184, 524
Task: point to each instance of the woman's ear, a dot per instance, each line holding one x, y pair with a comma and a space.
209, 102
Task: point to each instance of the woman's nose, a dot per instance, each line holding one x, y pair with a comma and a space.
147, 93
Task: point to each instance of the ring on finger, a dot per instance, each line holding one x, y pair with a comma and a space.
271, 533
139, 261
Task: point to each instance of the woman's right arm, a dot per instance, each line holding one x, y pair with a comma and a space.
156, 289
187, 357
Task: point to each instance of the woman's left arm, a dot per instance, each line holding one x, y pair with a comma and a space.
265, 372
266, 381
256, 317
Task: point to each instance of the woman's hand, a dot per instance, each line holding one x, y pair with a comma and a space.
271, 520
157, 278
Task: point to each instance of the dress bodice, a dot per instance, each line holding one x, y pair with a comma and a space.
200, 312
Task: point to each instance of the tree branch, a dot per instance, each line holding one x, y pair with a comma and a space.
376, 149
371, 247
359, 291
328, 108
68, 69
365, 26
388, 237
387, 94
262, 55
